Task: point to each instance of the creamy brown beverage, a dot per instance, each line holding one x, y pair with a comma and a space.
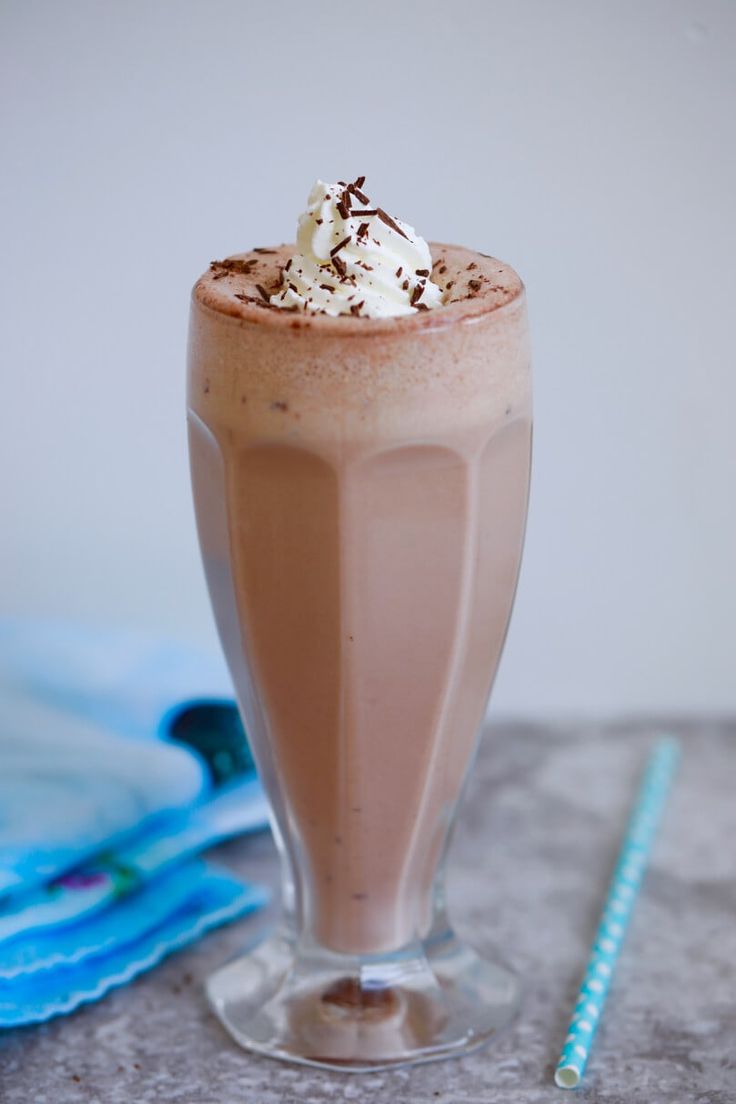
360, 486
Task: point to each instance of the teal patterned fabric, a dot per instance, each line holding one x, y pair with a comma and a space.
121, 758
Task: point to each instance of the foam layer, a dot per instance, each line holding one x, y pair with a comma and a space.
349, 379
472, 284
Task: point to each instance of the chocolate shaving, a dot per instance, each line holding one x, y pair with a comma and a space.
422, 306
328, 287
405, 285
399, 270
263, 293
449, 284
340, 266
294, 288
360, 214
259, 249
244, 298
474, 285
355, 189
355, 309
422, 271
234, 264
287, 266
471, 266
390, 222
340, 245
342, 208
441, 269
417, 293
319, 221
363, 230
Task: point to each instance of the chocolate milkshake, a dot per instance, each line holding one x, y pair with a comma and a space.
360, 425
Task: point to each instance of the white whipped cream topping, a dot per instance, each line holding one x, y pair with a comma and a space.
381, 269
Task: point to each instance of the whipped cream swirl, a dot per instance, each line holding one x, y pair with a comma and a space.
353, 258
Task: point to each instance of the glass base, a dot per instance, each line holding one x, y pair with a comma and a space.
434, 1000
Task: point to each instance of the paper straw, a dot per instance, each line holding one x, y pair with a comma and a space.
622, 892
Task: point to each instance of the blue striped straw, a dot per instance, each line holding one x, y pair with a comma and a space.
622, 892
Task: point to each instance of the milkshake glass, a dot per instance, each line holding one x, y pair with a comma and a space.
360, 488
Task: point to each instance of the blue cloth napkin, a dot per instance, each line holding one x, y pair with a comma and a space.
59, 972
121, 757
69, 787
124, 680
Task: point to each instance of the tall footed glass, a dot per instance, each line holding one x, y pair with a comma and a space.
360, 488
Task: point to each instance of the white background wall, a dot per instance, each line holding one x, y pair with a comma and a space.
589, 143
